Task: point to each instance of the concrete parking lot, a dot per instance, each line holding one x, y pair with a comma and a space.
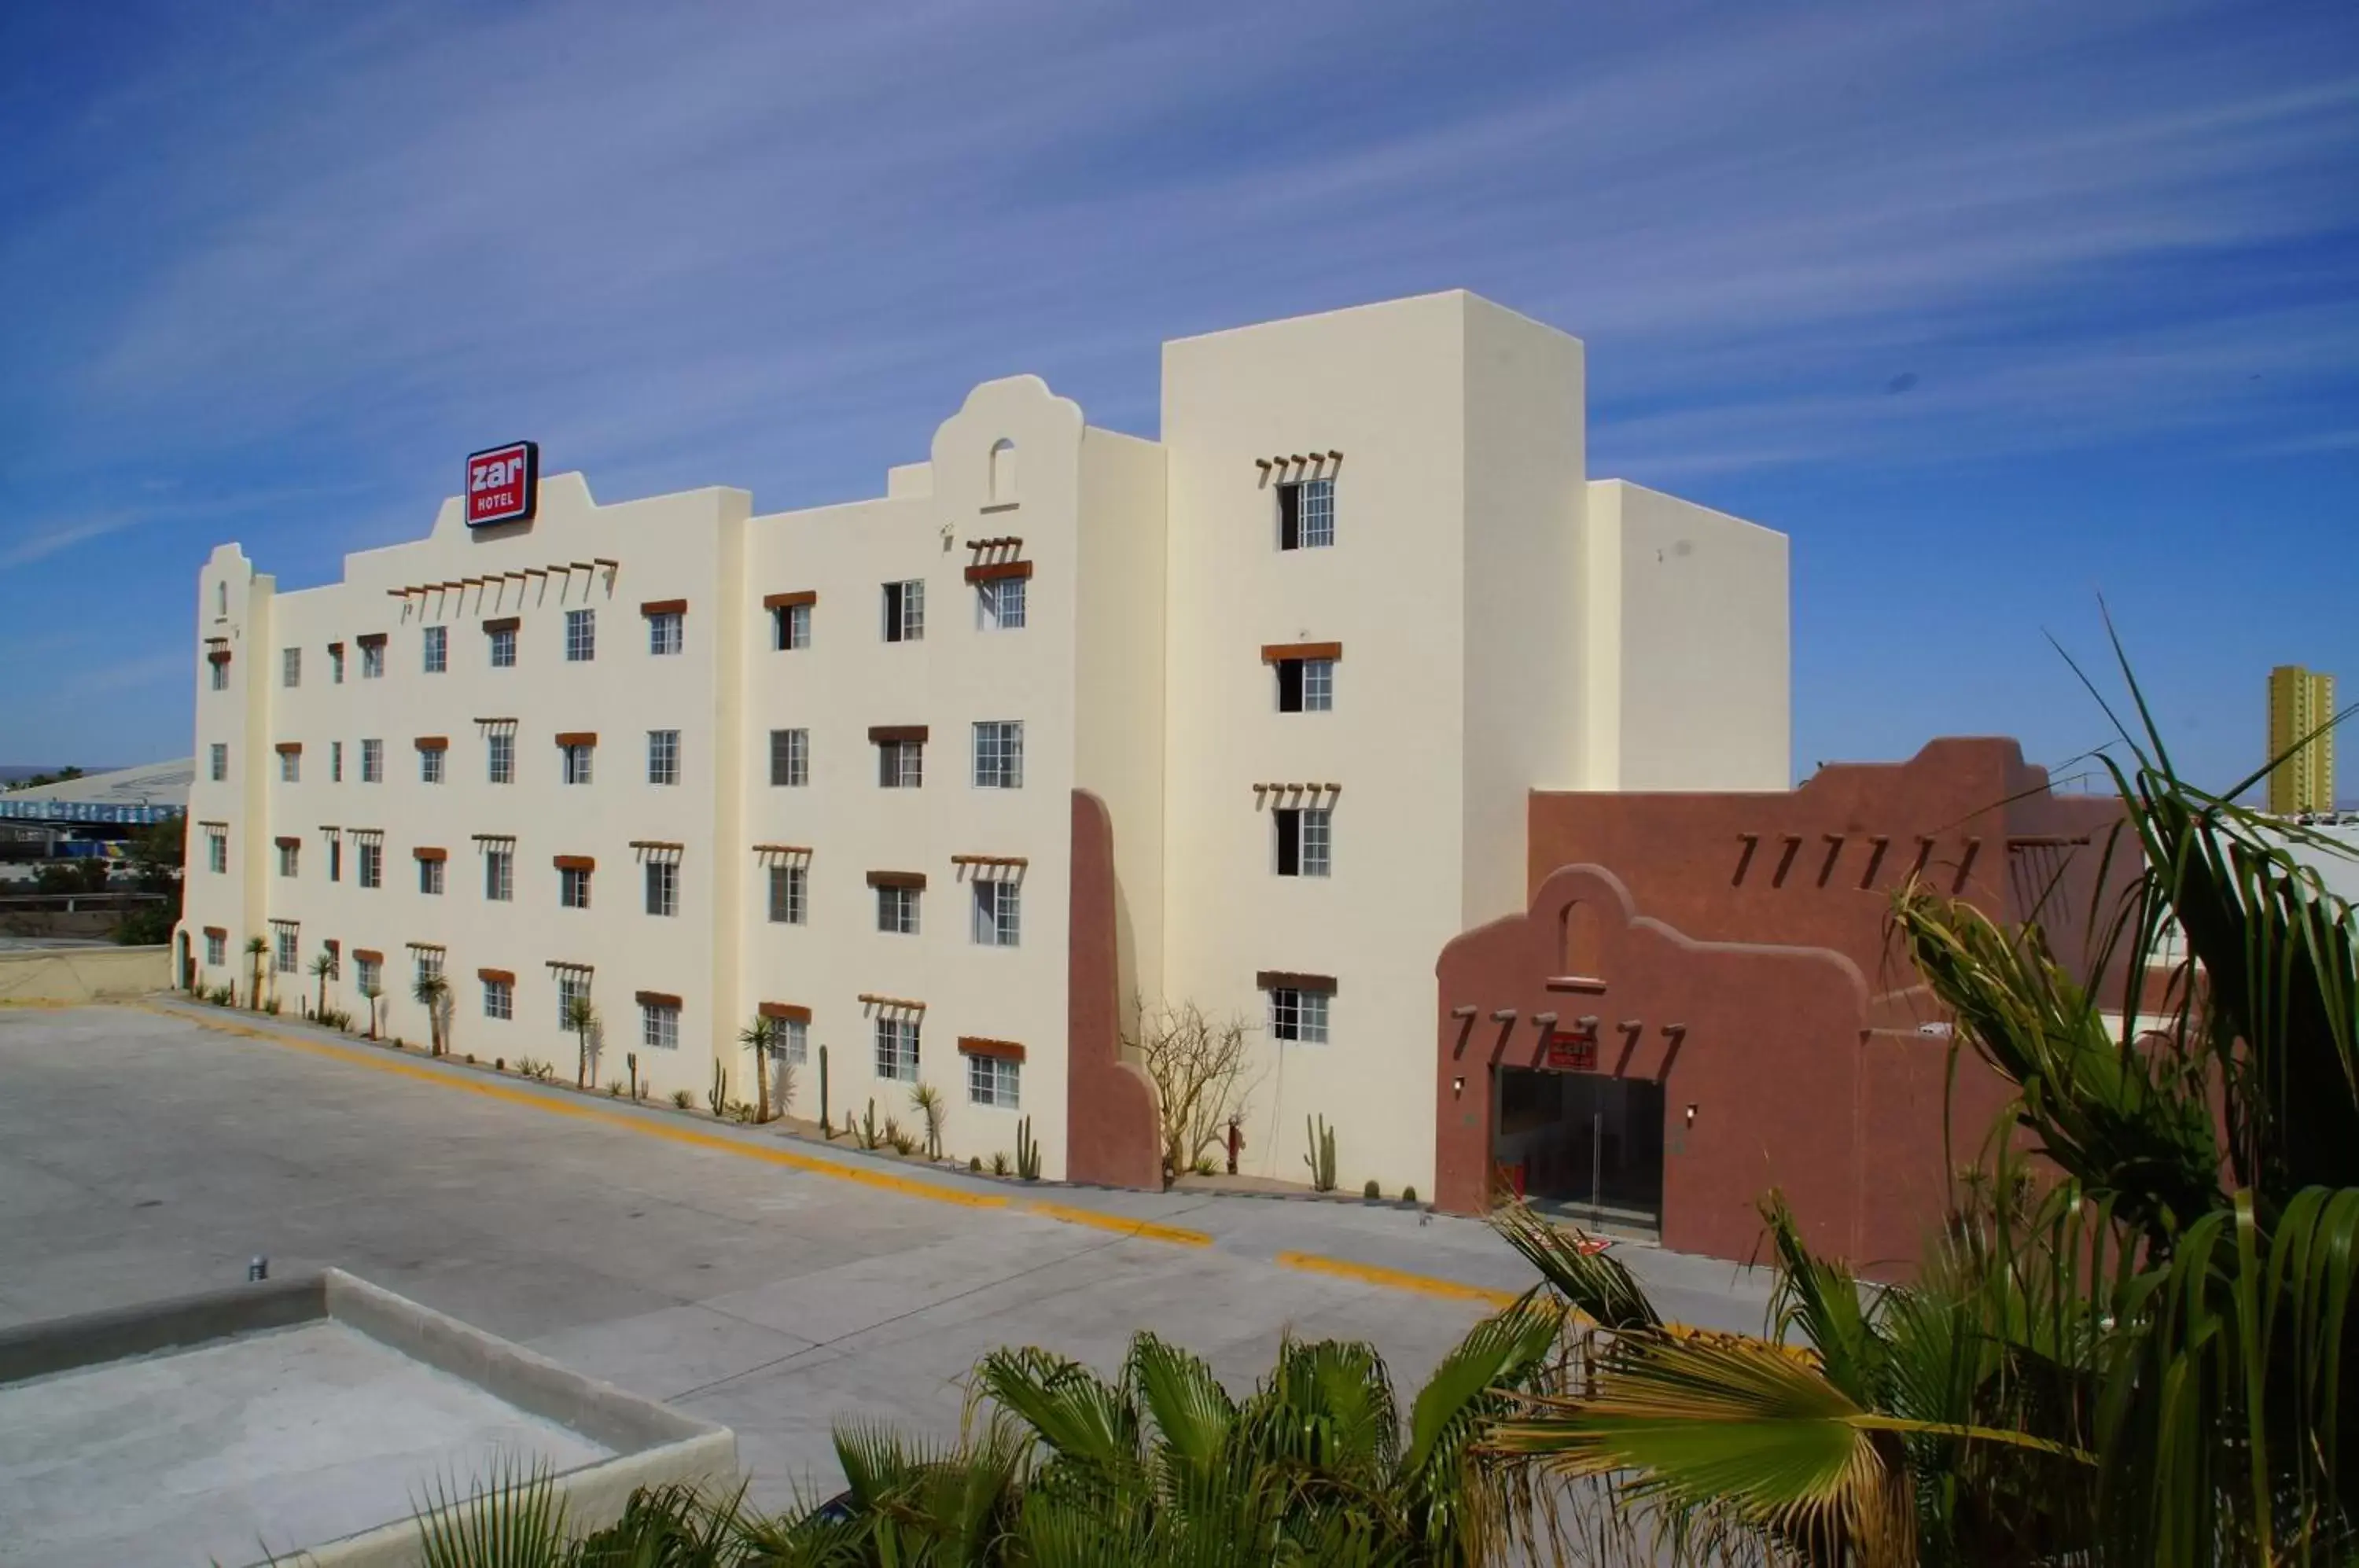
145, 1155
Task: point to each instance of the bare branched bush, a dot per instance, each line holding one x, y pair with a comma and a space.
1199, 1069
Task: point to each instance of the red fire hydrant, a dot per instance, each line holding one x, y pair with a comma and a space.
1236, 1143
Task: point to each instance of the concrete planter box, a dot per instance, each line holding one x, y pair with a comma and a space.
301, 1421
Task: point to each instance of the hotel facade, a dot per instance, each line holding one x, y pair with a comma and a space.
953, 780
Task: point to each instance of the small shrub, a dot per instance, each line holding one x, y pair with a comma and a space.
538, 1072
903, 1143
615, 1089
739, 1111
271, 1005
499, 1063
1204, 1166
1409, 1194
471, 1058
1371, 1191
998, 1163
975, 1162
682, 1098
336, 1019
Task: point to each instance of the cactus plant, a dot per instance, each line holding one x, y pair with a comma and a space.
1028, 1151
826, 1127
717, 1096
1322, 1158
868, 1134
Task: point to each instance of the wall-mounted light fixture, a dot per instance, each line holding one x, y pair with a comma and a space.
1457, 1087
1690, 1116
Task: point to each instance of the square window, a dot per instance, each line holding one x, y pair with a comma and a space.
791, 627
284, 958
370, 869
905, 611
900, 764
290, 767
429, 765
430, 877
499, 999
998, 914
499, 876
1000, 603
658, 1027
572, 987
896, 1049
1305, 840
789, 895
581, 635
216, 950
1305, 685
500, 758
290, 667
897, 911
503, 649
576, 763
1299, 1015
372, 762
1306, 514
999, 755
289, 858
791, 1045
220, 762
373, 660
426, 964
667, 633
789, 758
438, 649
572, 888
336, 663
663, 757
663, 888
994, 1081
335, 762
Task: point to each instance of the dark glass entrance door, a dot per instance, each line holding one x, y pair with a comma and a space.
1582, 1141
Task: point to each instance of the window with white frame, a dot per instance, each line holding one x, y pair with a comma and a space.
789, 758
791, 1042
290, 767
335, 762
499, 875
220, 762
368, 976
220, 672
663, 757
789, 895
1305, 840
290, 667
790, 627
897, 911
502, 648
436, 650
373, 660
335, 664
1305, 685
430, 875
896, 1049
369, 863
577, 761
429, 765
372, 762
667, 632
284, 957
994, 1081
659, 1026
425, 964
1298, 1013
216, 949
999, 754
663, 888
998, 913
499, 998
581, 635
572, 986
1306, 514
500, 758
905, 611
572, 886
999, 604
900, 764
217, 849
290, 852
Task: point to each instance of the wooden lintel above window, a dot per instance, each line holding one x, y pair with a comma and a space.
1288, 980
656, 998
793, 1013
493, 838
975, 1045
497, 976
368, 955
367, 639
221, 932
1001, 541
433, 743
788, 600
428, 852
990, 860
897, 879
289, 748
575, 862
577, 737
991, 571
495, 721
664, 607
871, 999
504, 623
218, 656
657, 843
288, 840
879, 734
1273, 652
569, 966
804, 849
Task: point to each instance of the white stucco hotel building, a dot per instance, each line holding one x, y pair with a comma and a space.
854, 766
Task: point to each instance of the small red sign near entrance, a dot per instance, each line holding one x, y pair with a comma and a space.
1574, 1052
503, 483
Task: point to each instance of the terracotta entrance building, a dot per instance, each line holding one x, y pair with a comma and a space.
1702, 1001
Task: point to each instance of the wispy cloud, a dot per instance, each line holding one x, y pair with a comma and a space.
43, 540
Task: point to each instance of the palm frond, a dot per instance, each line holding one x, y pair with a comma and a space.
1596, 1284
514, 1518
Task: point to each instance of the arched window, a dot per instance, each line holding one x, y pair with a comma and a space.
1002, 471
1576, 945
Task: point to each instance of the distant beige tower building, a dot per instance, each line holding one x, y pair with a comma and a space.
2300, 702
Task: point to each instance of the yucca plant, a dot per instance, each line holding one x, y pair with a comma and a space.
581, 1018
323, 964
256, 950
762, 1038
432, 992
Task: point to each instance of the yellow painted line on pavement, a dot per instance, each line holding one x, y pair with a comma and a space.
1395, 1278
1121, 1224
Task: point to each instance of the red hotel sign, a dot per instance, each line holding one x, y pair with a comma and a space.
503, 483
1572, 1052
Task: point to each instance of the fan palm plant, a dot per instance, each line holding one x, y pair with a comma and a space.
323, 965
432, 992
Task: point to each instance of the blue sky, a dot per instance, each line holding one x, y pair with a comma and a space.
1993, 307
